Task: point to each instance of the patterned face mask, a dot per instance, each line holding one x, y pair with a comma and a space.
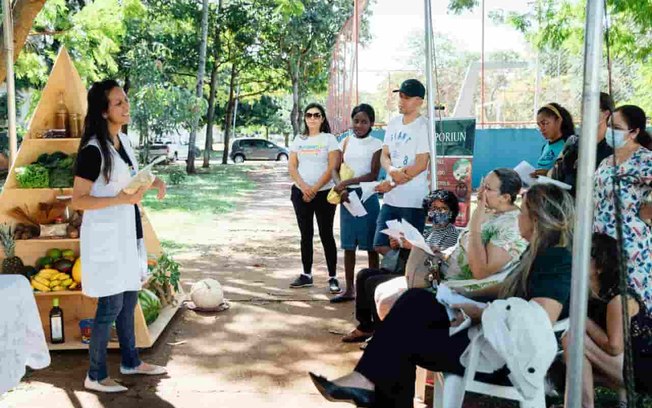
439, 217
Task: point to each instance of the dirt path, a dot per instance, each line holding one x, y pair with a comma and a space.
256, 354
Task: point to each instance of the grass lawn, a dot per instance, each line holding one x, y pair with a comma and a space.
185, 217
211, 191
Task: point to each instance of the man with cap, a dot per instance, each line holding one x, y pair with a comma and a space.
404, 157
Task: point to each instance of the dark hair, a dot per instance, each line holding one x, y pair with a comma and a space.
567, 126
636, 119
510, 182
447, 197
325, 126
604, 251
368, 109
606, 102
96, 125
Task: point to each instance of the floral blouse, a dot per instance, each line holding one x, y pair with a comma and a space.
635, 175
500, 230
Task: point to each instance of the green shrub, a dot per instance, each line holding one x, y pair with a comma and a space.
177, 176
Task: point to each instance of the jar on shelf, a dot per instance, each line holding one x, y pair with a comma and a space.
73, 121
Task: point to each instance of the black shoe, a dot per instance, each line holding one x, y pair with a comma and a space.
334, 393
303, 281
342, 298
334, 286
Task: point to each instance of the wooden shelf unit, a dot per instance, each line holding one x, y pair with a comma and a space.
75, 305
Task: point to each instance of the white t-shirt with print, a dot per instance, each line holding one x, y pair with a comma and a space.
404, 143
312, 152
358, 154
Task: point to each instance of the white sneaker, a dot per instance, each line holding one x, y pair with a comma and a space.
97, 386
153, 370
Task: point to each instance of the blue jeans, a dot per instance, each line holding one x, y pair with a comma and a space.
119, 309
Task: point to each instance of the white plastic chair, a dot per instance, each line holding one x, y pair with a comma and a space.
490, 280
449, 389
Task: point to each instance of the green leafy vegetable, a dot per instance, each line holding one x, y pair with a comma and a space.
32, 176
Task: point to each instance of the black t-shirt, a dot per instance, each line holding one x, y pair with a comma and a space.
89, 163
550, 277
565, 168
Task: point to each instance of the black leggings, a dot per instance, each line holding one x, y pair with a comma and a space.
415, 332
366, 283
325, 213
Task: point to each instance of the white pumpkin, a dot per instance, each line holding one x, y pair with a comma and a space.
207, 294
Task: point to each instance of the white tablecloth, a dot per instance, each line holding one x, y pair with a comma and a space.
22, 342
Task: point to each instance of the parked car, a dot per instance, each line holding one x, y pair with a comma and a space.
173, 151
257, 149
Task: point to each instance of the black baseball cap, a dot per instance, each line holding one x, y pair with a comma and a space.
412, 87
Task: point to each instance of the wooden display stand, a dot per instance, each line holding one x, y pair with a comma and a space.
76, 306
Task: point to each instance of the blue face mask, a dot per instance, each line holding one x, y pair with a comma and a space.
617, 139
439, 217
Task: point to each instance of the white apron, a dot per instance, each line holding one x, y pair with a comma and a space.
113, 260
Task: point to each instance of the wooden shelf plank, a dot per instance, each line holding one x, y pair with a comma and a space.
60, 191
77, 345
52, 140
59, 293
46, 240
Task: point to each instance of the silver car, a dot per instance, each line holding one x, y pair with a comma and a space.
257, 149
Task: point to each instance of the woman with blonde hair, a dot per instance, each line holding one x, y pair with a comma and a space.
416, 331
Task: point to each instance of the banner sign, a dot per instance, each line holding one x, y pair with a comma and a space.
455, 144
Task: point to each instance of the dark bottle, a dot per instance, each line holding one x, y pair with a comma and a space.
57, 335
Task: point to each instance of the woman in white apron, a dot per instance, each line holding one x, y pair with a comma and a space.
113, 255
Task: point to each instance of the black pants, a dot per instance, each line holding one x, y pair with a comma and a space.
324, 211
415, 332
366, 283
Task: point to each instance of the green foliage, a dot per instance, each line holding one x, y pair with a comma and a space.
167, 272
176, 176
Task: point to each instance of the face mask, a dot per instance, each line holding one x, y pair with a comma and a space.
439, 217
617, 139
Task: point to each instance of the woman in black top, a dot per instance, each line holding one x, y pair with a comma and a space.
416, 331
111, 251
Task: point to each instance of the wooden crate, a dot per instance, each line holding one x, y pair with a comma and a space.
74, 304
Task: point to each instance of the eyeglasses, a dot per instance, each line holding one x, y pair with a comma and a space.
316, 115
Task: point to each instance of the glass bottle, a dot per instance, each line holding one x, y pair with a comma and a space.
57, 335
62, 113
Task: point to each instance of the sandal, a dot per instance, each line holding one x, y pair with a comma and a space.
356, 336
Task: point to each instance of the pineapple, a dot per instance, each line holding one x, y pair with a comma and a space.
11, 264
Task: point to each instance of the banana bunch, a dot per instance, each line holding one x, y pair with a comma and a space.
51, 280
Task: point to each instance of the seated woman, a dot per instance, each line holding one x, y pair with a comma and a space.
416, 331
604, 344
442, 208
491, 244
556, 126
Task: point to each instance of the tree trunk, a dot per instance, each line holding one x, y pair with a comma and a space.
190, 164
229, 115
24, 12
210, 115
296, 113
210, 118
